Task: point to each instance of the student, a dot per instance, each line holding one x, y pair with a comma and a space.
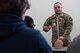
15, 37
29, 22
74, 46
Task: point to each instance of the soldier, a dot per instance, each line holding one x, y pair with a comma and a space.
65, 23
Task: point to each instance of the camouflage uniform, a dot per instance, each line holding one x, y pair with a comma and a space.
65, 27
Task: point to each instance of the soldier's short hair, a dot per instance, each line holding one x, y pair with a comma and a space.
6, 5
57, 3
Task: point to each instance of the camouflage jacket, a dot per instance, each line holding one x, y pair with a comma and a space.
65, 26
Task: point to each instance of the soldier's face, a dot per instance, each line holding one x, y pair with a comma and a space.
57, 8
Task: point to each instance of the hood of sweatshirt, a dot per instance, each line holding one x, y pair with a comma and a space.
8, 24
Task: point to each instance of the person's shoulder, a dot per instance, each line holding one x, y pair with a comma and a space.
74, 45
27, 31
31, 30
51, 17
76, 39
66, 14
75, 42
33, 34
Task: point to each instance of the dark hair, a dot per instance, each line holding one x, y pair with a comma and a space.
29, 21
13, 5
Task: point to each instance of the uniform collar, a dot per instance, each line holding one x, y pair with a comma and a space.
56, 16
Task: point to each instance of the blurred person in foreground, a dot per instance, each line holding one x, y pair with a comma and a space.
74, 46
15, 37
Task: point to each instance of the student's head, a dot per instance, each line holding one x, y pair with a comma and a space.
14, 6
57, 7
29, 22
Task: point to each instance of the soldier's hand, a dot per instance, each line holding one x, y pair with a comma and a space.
49, 26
